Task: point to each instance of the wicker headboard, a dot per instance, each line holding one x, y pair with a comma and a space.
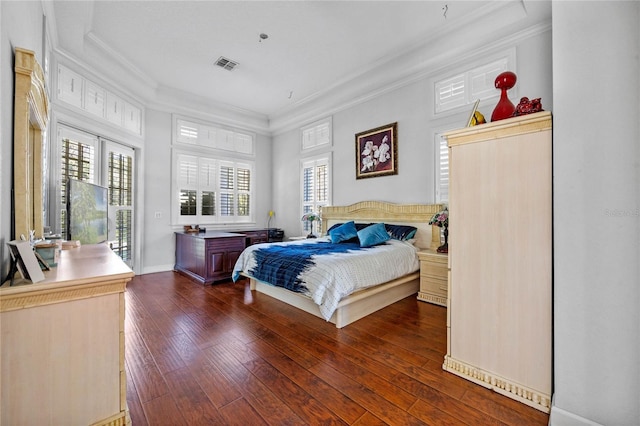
417, 215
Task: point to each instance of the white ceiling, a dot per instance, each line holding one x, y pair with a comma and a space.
313, 46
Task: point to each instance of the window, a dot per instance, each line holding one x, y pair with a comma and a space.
317, 135
211, 136
77, 161
466, 87
316, 186
211, 190
79, 158
119, 171
214, 170
441, 168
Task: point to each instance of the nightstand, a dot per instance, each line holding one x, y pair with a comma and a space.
433, 277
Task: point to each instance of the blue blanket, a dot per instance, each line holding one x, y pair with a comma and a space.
282, 265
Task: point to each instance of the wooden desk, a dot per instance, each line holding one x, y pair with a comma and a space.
62, 358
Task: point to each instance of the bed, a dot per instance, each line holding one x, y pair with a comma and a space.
364, 301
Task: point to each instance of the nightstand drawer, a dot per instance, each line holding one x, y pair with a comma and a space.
433, 285
438, 270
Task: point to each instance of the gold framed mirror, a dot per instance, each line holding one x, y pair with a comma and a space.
31, 115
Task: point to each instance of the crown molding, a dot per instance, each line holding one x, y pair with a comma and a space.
495, 27
175, 101
106, 51
505, 11
393, 75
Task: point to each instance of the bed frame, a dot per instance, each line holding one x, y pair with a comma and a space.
369, 300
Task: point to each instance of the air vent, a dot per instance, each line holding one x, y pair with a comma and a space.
225, 63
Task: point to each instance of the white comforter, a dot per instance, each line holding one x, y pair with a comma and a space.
338, 275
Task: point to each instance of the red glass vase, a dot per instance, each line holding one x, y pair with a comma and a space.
504, 108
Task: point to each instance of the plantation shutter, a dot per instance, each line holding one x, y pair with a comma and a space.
442, 170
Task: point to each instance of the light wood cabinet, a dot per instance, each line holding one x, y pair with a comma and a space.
500, 257
62, 359
433, 277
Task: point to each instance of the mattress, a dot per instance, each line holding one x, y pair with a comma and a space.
330, 276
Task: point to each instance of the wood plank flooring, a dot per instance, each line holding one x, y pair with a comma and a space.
221, 354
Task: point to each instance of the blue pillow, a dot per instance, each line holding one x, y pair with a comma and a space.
373, 235
343, 233
359, 226
401, 232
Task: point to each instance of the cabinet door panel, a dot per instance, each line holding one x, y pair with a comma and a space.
217, 264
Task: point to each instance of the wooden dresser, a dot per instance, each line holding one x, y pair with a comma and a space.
433, 277
208, 256
62, 358
500, 257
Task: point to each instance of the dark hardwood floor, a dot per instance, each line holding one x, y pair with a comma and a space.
223, 355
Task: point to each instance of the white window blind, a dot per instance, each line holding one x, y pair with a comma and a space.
209, 190
465, 88
120, 164
442, 169
316, 186
450, 93
317, 134
211, 136
78, 161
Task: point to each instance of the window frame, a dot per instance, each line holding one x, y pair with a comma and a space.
217, 145
441, 178
210, 159
316, 135
477, 78
314, 205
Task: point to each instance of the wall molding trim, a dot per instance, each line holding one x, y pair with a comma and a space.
383, 80
487, 379
560, 417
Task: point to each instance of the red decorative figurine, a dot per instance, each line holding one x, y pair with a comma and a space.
527, 106
504, 108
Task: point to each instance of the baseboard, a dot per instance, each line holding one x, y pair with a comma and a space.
157, 268
560, 417
507, 387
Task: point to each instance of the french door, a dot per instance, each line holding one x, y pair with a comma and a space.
87, 157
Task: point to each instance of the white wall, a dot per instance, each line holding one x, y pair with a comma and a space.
158, 233
25, 32
412, 107
596, 90
158, 240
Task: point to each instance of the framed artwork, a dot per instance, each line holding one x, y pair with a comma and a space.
377, 152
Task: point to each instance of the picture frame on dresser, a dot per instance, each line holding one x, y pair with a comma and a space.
25, 261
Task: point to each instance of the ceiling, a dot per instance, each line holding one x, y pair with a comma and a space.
312, 46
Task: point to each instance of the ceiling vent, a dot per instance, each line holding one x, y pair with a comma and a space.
225, 63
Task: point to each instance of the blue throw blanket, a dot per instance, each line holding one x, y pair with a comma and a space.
282, 265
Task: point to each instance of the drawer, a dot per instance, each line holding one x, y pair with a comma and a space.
438, 270
233, 243
434, 286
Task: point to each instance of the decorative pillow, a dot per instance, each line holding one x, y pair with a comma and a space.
359, 226
373, 235
401, 232
343, 233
